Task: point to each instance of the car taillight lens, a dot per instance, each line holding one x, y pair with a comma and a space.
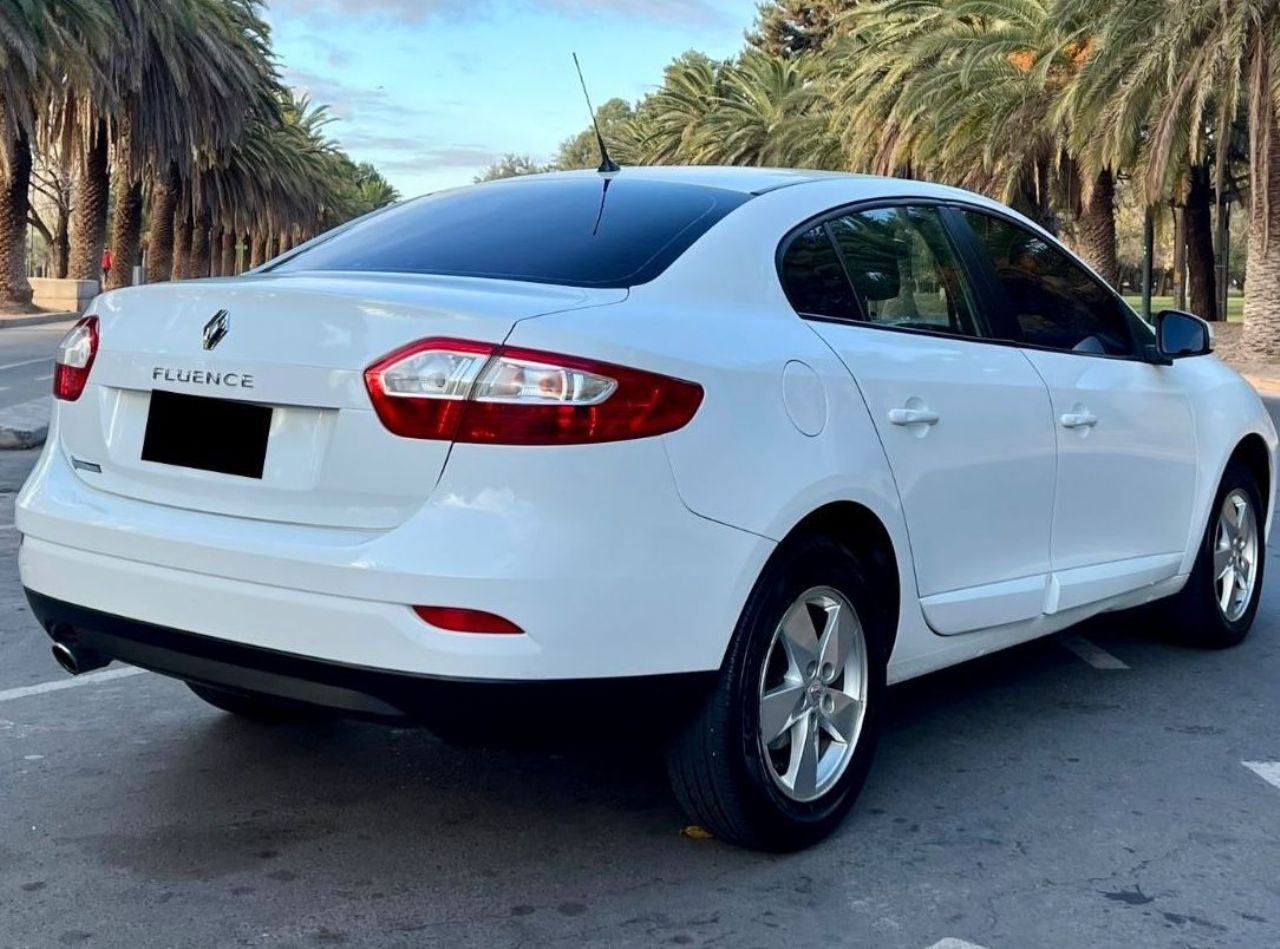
473, 392
74, 359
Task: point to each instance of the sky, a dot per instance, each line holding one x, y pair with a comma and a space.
432, 91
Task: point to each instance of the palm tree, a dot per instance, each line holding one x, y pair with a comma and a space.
191, 74
43, 43
966, 90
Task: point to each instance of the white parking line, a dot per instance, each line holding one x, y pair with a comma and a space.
28, 362
952, 943
1096, 656
89, 678
1269, 771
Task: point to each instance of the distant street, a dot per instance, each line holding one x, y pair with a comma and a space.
26, 361
1100, 788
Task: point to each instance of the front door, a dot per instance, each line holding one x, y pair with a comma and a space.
1125, 432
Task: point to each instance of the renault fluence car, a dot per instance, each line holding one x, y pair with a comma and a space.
765, 440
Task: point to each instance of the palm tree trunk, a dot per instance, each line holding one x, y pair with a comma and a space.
126, 223
62, 243
215, 250
228, 265
1262, 278
1180, 256
164, 202
89, 196
182, 227
199, 261
258, 250
15, 291
1096, 229
1201, 278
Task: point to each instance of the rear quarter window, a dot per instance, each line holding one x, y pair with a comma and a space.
567, 231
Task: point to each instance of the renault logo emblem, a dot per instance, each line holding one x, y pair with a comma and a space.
216, 328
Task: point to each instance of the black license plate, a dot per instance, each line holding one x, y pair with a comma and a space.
193, 431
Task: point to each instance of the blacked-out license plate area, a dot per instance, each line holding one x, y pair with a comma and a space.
220, 435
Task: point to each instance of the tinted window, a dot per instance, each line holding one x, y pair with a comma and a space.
1055, 302
549, 230
905, 271
814, 278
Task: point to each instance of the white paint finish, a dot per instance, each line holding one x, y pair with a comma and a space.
565, 537
1269, 771
70, 682
1069, 589
951, 942
805, 398
982, 607
1091, 653
977, 487
1126, 485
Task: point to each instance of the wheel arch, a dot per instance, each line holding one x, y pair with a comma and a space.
1252, 452
859, 528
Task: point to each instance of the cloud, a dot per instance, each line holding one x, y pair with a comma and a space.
444, 156
685, 12
348, 101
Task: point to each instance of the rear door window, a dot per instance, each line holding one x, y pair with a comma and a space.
814, 277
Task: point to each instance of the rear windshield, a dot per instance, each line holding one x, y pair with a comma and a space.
566, 230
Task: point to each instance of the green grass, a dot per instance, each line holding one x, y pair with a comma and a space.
1235, 306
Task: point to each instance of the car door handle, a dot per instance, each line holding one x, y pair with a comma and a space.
913, 417
1084, 419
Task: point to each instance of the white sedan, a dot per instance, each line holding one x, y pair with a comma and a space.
748, 444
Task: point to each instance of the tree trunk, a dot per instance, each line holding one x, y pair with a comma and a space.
1096, 229
15, 291
228, 265
1201, 278
164, 202
199, 265
182, 227
62, 243
126, 221
1180, 256
1262, 278
90, 193
258, 250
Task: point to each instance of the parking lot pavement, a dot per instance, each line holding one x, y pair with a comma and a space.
1101, 790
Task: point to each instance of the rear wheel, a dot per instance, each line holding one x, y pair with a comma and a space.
1217, 606
260, 708
782, 746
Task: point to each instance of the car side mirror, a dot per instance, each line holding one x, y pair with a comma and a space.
1180, 334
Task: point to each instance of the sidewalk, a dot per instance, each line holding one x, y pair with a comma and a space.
35, 319
1263, 374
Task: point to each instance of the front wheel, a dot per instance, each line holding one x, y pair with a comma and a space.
783, 744
1216, 608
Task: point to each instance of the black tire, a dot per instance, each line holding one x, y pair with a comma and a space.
260, 708
1193, 617
715, 760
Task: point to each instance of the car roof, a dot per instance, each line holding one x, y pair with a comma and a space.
755, 181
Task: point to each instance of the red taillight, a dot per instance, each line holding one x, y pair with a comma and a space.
74, 359
466, 621
473, 392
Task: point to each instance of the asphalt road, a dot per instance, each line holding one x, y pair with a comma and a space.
1071, 792
26, 360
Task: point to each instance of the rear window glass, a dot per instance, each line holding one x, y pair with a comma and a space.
553, 230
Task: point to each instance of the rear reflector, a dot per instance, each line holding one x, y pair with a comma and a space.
466, 621
458, 390
74, 359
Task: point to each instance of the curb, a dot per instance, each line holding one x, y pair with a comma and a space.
25, 425
37, 319
1264, 385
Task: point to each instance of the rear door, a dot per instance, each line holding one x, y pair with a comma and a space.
1125, 431
965, 422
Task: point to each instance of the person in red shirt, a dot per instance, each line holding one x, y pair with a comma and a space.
106, 264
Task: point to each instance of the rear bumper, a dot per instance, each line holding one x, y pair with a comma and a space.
609, 577
356, 691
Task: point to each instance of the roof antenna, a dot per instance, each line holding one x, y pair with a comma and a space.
607, 166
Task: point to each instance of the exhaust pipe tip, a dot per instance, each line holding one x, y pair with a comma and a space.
77, 661
63, 656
